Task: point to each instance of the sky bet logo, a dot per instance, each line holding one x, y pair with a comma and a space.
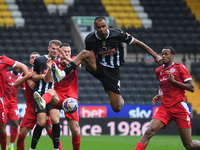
93, 111
137, 113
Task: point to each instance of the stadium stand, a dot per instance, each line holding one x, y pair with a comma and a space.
156, 23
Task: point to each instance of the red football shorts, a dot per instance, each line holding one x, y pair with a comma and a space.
179, 113
11, 113
29, 120
2, 111
73, 116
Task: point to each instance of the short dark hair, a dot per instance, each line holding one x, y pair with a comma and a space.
34, 53
65, 44
171, 49
99, 18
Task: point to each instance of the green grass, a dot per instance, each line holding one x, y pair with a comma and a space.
106, 142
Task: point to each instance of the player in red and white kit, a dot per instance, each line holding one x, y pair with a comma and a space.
29, 120
6, 62
10, 103
174, 79
68, 87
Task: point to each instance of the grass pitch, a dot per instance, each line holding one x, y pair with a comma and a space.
106, 142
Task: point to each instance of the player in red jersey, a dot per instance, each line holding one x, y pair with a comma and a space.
174, 79
6, 62
10, 103
68, 87
29, 120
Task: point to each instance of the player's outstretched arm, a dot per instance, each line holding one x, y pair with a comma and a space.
48, 75
20, 80
22, 67
146, 48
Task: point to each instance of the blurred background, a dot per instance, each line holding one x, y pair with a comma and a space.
28, 25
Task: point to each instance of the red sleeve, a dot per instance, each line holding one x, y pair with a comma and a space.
9, 61
185, 75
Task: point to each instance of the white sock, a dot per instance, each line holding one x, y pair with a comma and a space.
11, 144
56, 149
31, 149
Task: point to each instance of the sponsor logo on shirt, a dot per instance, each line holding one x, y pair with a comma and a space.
107, 52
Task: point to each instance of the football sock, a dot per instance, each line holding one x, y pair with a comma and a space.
70, 67
11, 144
139, 146
3, 141
56, 135
13, 135
47, 97
36, 135
20, 142
50, 135
76, 140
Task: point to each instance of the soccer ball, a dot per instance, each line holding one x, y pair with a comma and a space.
70, 105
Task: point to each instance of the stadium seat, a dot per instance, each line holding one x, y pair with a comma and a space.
58, 2
69, 2
1, 22
52, 8
13, 7
19, 22
62, 8
142, 15
147, 23
16, 14
6, 14
47, 2
10, 1
135, 2
138, 9
9, 22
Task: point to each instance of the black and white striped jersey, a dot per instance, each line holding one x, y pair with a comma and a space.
40, 67
109, 51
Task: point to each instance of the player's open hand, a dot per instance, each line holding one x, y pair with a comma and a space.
61, 53
156, 98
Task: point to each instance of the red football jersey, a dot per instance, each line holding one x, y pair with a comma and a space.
69, 84
10, 93
5, 62
171, 93
29, 96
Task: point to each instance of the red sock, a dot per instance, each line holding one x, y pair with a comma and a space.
20, 142
140, 146
76, 140
3, 141
50, 135
47, 97
13, 134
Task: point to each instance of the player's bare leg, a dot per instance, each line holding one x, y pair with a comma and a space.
116, 101
154, 126
76, 137
89, 58
188, 143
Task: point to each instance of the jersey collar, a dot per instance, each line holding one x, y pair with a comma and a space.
99, 37
169, 66
14, 74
